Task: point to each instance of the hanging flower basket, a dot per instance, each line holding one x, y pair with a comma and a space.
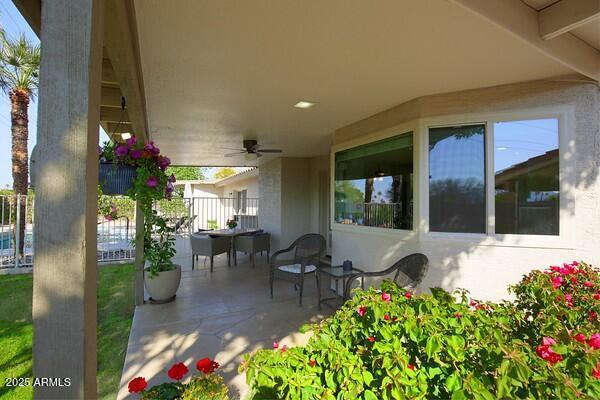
116, 179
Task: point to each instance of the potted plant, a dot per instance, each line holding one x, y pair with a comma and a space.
208, 386
115, 178
151, 184
231, 223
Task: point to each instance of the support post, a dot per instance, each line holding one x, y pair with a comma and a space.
139, 256
65, 271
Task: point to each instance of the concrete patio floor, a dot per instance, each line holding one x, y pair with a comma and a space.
221, 315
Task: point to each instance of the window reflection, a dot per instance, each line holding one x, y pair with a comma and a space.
526, 165
457, 179
374, 184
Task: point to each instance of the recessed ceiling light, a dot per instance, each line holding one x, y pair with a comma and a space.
501, 148
304, 104
126, 135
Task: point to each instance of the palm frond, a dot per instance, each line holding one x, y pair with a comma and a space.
19, 65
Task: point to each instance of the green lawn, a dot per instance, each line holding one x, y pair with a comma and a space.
115, 310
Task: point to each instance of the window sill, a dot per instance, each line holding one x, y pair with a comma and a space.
399, 234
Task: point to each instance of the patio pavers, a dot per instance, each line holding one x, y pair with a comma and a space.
222, 315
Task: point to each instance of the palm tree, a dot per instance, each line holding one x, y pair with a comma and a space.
19, 78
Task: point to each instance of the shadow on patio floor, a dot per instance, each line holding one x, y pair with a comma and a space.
221, 315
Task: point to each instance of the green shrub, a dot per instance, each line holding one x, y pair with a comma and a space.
389, 344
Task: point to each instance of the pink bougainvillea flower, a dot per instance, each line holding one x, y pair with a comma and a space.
557, 282
410, 366
580, 337
575, 263
371, 339
597, 296
569, 300
137, 385
207, 366
177, 371
386, 297
408, 295
152, 182
555, 268
548, 341
121, 150
594, 341
592, 315
588, 284
283, 348
362, 310
386, 317
275, 345
136, 154
573, 279
472, 303
546, 352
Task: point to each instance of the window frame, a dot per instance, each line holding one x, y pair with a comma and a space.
566, 128
401, 129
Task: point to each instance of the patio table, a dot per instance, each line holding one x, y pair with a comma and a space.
336, 273
232, 233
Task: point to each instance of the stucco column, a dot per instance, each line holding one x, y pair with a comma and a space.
65, 269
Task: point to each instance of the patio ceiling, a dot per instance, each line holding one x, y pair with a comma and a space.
216, 72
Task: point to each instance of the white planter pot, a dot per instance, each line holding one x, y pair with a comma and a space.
162, 287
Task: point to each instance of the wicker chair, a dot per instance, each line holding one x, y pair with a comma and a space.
306, 250
408, 273
252, 244
204, 245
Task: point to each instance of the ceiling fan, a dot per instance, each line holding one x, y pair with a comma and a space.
252, 150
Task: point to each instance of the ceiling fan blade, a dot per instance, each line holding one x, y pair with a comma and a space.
231, 148
270, 150
233, 154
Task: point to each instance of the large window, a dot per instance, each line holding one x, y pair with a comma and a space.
457, 179
526, 175
374, 184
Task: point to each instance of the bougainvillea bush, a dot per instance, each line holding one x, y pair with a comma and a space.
389, 344
206, 386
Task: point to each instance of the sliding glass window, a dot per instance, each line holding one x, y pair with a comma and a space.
374, 184
526, 165
457, 179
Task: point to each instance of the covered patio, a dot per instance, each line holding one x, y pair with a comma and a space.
221, 315
367, 101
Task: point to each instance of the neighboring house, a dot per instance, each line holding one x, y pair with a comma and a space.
214, 201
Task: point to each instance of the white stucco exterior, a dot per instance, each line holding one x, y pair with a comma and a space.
485, 264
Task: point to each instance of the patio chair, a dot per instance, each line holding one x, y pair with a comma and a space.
306, 251
407, 273
252, 244
207, 246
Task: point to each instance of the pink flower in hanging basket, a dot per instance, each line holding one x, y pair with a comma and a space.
152, 182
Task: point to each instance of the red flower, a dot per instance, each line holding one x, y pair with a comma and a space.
472, 303
362, 310
458, 315
580, 337
177, 371
283, 348
597, 296
596, 371
371, 339
546, 352
312, 363
275, 345
573, 279
410, 366
386, 317
594, 341
588, 284
386, 297
408, 295
592, 315
137, 385
207, 365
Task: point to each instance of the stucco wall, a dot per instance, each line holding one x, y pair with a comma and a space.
482, 267
269, 192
